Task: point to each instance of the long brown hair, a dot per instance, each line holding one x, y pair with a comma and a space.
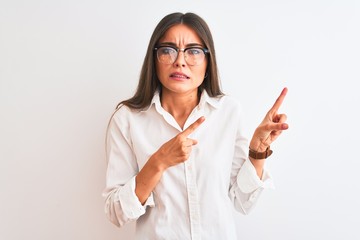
149, 82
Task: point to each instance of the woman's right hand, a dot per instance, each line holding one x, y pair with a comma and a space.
177, 149
173, 152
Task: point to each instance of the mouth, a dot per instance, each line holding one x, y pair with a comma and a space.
180, 76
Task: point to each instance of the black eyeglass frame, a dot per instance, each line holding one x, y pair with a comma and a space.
205, 50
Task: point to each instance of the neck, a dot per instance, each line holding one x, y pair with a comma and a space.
179, 105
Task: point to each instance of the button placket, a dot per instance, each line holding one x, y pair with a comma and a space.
193, 200
190, 174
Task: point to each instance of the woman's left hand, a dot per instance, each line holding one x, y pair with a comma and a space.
271, 127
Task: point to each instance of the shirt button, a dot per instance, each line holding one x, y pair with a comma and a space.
189, 166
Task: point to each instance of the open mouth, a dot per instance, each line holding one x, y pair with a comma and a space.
179, 76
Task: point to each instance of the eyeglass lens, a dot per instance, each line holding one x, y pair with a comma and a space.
168, 55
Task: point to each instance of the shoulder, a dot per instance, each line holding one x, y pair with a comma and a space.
121, 115
222, 103
230, 103
229, 113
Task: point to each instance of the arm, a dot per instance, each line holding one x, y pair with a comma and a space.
245, 185
129, 191
121, 203
248, 177
173, 152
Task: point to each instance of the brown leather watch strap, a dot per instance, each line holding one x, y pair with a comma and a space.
260, 155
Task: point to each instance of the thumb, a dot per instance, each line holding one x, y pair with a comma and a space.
277, 126
191, 142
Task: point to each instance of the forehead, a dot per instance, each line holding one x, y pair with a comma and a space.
181, 34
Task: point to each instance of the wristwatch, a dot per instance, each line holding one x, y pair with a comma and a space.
260, 155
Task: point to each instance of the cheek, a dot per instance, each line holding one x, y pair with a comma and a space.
161, 73
158, 71
200, 73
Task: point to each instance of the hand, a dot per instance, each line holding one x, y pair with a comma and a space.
178, 149
271, 127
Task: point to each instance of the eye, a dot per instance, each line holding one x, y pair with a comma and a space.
195, 51
166, 51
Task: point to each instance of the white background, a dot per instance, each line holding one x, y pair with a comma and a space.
65, 64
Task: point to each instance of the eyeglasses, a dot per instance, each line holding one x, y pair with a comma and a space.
193, 55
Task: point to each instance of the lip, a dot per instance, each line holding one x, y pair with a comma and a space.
179, 76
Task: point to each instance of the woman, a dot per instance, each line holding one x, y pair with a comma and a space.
177, 157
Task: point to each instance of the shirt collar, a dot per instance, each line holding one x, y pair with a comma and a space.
212, 101
204, 99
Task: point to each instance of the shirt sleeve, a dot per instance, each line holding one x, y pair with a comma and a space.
246, 186
121, 203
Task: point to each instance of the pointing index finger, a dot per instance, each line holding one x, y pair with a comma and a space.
193, 126
279, 100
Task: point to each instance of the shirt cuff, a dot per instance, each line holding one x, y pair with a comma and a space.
248, 181
132, 207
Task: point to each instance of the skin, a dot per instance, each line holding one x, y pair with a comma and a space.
180, 81
179, 97
268, 131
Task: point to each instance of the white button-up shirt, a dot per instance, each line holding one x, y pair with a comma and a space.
195, 199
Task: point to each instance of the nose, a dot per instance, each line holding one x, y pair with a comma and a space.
180, 60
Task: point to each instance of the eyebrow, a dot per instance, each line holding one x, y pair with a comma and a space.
187, 45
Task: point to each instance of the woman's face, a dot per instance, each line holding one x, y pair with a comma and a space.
180, 77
